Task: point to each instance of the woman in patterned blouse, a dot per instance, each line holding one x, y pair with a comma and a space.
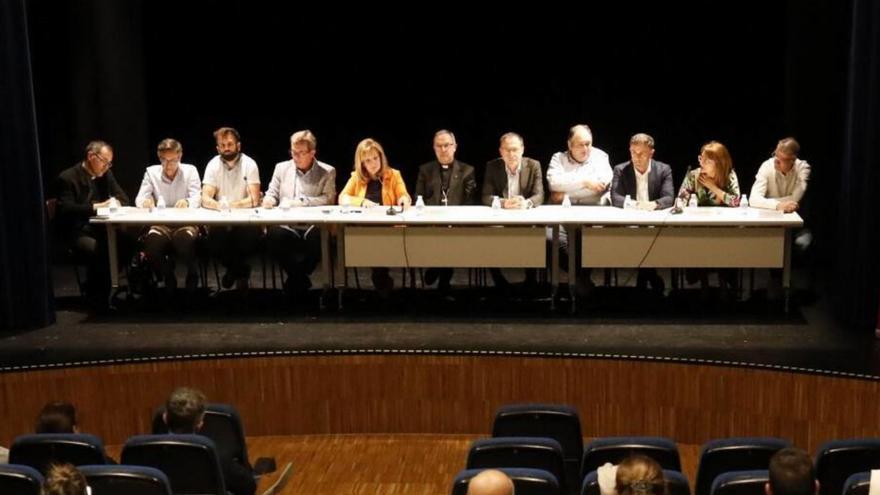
714, 182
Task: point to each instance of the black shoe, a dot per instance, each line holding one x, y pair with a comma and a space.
431, 276
192, 281
228, 279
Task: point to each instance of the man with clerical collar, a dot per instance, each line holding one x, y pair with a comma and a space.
445, 182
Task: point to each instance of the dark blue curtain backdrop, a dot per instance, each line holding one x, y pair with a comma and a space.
25, 293
136, 72
857, 266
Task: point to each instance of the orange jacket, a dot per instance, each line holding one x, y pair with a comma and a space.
393, 189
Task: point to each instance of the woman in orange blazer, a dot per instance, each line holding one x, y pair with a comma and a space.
373, 182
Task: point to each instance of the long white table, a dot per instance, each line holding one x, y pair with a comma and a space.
477, 236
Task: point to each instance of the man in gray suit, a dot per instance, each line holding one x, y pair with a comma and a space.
517, 181
649, 185
445, 181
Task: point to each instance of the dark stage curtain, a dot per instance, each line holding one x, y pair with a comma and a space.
25, 290
858, 230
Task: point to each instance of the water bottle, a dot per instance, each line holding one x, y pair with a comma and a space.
420, 205
113, 206
160, 205
692, 203
627, 202
496, 203
224, 205
566, 201
744, 203
285, 204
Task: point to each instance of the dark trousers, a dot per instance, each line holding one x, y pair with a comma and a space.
89, 247
566, 246
232, 246
162, 245
298, 251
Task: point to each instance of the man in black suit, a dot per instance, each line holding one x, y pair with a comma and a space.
518, 183
185, 414
648, 183
445, 181
81, 190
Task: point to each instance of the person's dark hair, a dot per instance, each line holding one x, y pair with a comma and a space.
56, 417
184, 410
64, 479
227, 131
792, 473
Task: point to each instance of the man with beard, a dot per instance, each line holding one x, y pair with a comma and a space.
232, 178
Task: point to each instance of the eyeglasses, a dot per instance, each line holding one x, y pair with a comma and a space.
702, 159
105, 161
444, 146
299, 153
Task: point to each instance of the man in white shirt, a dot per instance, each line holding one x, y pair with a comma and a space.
176, 185
232, 178
583, 172
299, 182
782, 179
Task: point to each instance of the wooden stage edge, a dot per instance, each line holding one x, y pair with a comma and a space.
300, 393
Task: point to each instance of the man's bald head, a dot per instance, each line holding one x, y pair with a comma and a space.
490, 482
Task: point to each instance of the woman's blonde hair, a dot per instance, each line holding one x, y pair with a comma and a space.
640, 475
64, 479
718, 153
364, 147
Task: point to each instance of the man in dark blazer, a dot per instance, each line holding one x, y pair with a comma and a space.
660, 192
80, 191
500, 173
447, 182
649, 185
517, 181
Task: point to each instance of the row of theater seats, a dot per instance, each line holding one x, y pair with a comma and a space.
160, 463
542, 448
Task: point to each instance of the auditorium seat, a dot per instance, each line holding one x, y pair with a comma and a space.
518, 452
18, 479
189, 461
734, 454
676, 483
615, 449
525, 481
40, 450
740, 483
559, 422
127, 480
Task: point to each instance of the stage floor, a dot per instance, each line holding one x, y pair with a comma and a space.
685, 326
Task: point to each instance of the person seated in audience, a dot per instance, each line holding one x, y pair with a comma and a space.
445, 181
648, 183
791, 473
490, 482
81, 190
517, 182
177, 185
64, 479
184, 414
298, 182
233, 177
583, 173
713, 183
57, 417
372, 183
635, 475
